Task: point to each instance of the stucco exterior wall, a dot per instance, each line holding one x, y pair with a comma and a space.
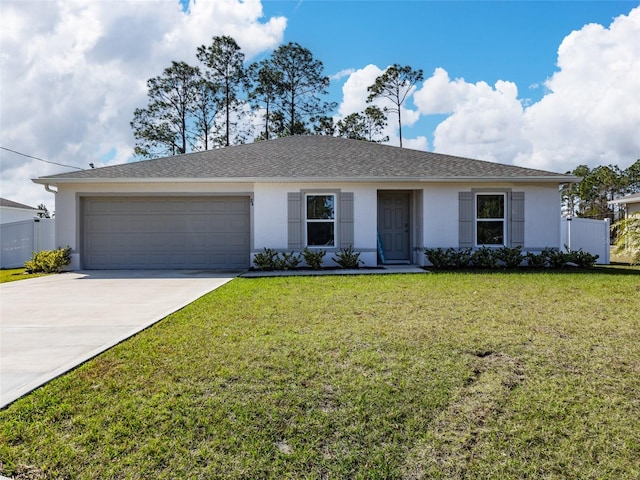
542, 213
271, 217
436, 205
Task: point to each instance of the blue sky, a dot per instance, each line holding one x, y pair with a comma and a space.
540, 84
475, 40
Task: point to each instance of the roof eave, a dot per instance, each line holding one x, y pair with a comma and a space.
444, 179
623, 201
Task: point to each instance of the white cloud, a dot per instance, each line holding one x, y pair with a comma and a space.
485, 121
354, 90
341, 74
72, 73
418, 143
590, 115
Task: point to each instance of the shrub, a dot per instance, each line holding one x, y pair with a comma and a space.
581, 259
313, 258
536, 260
460, 257
347, 258
555, 258
484, 257
510, 256
438, 257
266, 260
269, 259
48, 261
288, 261
449, 258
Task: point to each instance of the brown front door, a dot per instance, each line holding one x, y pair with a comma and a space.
393, 225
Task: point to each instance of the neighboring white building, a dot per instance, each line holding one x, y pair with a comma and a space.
218, 208
16, 212
631, 203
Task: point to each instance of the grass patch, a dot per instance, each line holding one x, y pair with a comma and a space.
14, 274
448, 375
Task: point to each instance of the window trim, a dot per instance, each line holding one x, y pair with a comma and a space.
504, 219
307, 220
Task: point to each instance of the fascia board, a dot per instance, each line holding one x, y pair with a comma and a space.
624, 201
218, 180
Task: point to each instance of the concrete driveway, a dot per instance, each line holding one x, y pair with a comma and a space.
49, 325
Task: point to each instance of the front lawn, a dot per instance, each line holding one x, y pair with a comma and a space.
13, 274
447, 375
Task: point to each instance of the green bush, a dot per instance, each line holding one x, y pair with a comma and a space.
313, 258
288, 261
536, 260
484, 257
269, 259
460, 257
48, 261
581, 259
507, 257
347, 258
438, 257
265, 260
511, 257
555, 258
449, 258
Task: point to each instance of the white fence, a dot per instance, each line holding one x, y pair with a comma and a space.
587, 235
20, 239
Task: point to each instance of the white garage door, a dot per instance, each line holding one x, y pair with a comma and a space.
165, 232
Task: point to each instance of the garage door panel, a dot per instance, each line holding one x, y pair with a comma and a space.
115, 261
221, 207
99, 225
198, 260
199, 224
165, 232
218, 240
237, 240
197, 242
238, 224
236, 206
199, 206
94, 242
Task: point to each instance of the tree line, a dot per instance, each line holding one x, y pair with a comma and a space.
589, 198
222, 102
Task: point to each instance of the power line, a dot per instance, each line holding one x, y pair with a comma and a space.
39, 159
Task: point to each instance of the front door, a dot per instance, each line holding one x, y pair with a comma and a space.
393, 225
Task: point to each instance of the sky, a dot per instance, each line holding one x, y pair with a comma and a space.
540, 84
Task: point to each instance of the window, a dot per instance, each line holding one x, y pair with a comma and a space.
490, 219
320, 220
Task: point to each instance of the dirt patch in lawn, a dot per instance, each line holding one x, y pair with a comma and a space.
448, 447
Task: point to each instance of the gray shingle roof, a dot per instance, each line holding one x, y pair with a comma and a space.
308, 158
8, 203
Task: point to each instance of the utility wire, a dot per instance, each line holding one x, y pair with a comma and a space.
39, 159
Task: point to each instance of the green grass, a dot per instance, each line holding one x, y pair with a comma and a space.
448, 375
14, 274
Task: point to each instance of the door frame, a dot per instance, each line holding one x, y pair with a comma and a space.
410, 214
